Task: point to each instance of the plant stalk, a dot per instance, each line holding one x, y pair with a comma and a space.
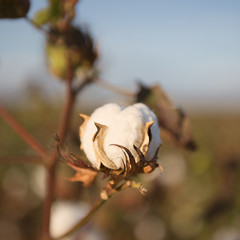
27, 137
51, 166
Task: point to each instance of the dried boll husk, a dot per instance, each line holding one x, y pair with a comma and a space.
73, 43
116, 138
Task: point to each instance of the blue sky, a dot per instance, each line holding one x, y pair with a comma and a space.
192, 48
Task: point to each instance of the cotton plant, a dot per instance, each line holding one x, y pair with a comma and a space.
118, 141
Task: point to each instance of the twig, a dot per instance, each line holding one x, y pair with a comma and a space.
62, 132
84, 220
113, 88
33, 143
20, 160
83, 84
52, 165
34, 24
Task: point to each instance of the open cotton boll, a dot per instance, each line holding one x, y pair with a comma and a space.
124, 127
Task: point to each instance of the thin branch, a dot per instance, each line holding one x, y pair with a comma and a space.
113, 88
83, 84
20, 160
35, 25
62, 132
33, 143
84, 220
50, 185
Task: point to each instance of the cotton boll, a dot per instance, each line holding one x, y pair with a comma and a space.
123, 126
227, 233
64, 215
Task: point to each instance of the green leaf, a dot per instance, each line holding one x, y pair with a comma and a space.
42, 16
50, 14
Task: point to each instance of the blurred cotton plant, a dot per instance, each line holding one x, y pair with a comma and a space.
175, 124
118, 141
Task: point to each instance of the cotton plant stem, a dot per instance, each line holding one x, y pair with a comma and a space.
27, 137
109, 192
84, 220
113, 88
50, 184
52, 161
50, 181
35, 25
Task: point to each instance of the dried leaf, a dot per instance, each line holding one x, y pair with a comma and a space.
84, 175
73, 160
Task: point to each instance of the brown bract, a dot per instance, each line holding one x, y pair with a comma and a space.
84, 173
87, 174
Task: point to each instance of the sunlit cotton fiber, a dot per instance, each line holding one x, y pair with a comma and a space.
125, 127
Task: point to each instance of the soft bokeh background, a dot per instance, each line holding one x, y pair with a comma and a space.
192, 49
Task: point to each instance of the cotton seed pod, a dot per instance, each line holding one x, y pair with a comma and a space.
73, 43
116, 138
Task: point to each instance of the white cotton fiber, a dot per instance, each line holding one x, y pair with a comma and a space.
103, 115
125, 128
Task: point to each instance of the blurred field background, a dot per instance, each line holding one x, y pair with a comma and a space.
193, 52
196, 197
